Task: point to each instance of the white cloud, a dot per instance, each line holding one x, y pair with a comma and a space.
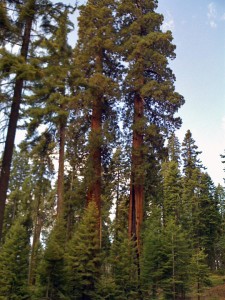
211, 10
212, 15
168, 23
212, 24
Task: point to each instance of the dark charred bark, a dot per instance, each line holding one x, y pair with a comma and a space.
13, 120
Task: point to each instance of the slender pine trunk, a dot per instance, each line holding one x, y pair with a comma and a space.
117, 204
60, 184
13, 119
38, 224
173, 262
69, 211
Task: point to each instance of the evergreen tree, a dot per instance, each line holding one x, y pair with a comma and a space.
27, 13
51, 275
174, 150
220, 245
190, 155
97, 72
172, 191
124, 268
19, 195
149, 89
51, 93
42, 204
176, 266
209, 219
200, 208
119, 171
199, 271
83, 257
166, 260
153, 180
152, 256
191, 186
14, 255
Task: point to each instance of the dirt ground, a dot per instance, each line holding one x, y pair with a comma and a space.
214, 293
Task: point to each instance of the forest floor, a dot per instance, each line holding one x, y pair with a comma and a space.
216, 291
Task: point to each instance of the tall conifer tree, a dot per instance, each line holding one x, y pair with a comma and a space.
96, 65
172, 191
27, 13
14, 255
191, 186
149, 89
42, 198
83, 257
51, 91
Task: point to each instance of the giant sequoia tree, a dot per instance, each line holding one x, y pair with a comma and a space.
96, 67
149, 90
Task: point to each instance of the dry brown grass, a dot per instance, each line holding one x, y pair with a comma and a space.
215, 293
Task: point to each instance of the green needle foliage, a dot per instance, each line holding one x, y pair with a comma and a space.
166, 260
172, 191
51, 272
124, 267
14, 261
147, 50
199, 271
83, 257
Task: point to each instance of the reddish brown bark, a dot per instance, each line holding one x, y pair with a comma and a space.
95, 155
94, 189
13, 120
137, 176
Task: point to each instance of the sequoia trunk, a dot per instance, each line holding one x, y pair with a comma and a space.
95, 154
94, 190
137, 175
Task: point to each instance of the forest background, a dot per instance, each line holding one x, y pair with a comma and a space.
105, 112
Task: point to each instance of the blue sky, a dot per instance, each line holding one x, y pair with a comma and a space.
198, 29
